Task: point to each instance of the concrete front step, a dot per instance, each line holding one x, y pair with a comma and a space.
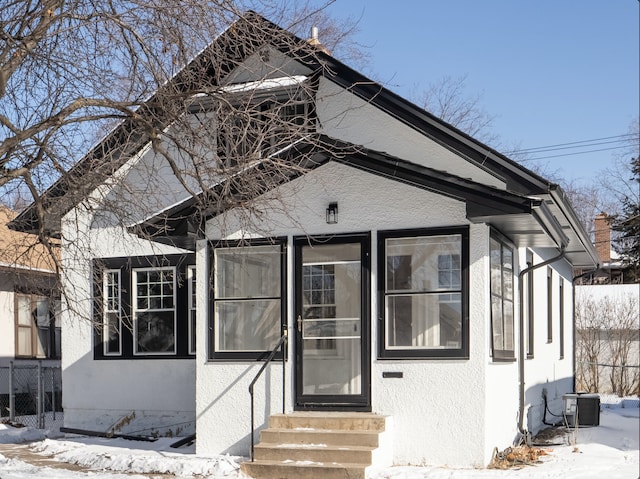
303, 470
314, 453
337, 437
322, 420
320, 445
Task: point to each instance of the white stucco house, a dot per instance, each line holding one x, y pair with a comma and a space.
419, 275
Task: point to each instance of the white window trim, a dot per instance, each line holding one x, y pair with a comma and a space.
135, 311
105, 310
191, 275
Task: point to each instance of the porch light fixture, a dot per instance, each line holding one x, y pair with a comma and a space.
332, 213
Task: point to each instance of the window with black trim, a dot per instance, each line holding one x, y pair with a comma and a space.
191, 278
37, 326
549, 304
143, 307
263, 123
154, 310
247, 297
424, 293
561, 316
502, 309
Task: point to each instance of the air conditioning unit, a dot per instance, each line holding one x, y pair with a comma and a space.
581, 409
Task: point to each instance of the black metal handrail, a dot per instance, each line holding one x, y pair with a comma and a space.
281, 344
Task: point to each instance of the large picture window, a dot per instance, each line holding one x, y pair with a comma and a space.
424, 290
502, 322
247, 300
144, 307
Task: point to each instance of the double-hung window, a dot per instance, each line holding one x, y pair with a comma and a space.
154, 310
191, 278
424, 292
37, 326
112, 321
502, 309
247, 302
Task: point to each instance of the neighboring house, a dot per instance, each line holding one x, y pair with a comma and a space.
395, 257
29, 297
608, 322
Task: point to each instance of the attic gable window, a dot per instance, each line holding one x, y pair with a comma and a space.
424, 293
254, 124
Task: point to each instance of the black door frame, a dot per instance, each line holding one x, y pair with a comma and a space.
361, 402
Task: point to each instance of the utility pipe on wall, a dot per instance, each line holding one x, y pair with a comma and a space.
521, 352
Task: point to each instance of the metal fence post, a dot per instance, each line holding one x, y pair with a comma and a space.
12, 395
40, 398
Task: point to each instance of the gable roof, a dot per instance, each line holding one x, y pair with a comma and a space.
254, 32
181, 224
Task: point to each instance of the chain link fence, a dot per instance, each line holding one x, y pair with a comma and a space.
31, 395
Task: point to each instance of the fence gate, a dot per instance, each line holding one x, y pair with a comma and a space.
31, 395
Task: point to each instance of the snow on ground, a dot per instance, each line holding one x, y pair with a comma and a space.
610, 450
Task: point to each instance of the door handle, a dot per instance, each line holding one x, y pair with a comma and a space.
299, 323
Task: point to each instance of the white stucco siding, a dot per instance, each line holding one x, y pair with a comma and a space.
438, 405
366, 203
343, 115
266, 64
547, 373
156, 394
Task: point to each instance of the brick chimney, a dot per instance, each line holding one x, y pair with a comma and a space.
602, 226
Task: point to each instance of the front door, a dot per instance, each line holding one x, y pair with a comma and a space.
332, 323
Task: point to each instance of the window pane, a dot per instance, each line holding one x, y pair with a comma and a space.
155, 332
250, 325
44, 342
111, 315
112, 333
24, 342
423, 264
155, 289
24, 310
247, 272
508, 326
344, 328
424, 321
496, 321
191, 271
42, 312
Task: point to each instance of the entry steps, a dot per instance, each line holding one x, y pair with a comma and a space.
321, 445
